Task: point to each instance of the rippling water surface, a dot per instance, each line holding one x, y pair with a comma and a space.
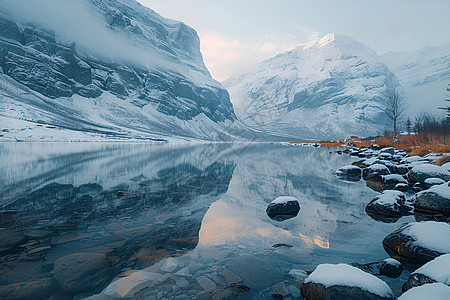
135, 205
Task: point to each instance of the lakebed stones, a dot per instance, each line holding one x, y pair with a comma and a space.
415, 244
343, 281
388, 207
227, 292
437, 270
127, 287
35, 289
283, 208
82, 271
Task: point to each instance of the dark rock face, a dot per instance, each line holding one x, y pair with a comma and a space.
283, 211
422, 172
317, 291
82, 271
391, 270
416, 279
430, 202
400, 247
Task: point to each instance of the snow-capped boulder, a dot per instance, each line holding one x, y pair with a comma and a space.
380, 183
402, 187
437, 270
429, 182
422, 172
388, 207
283, 208
375, 169
427, 291
417, 243
390, 267
350, 172
434, 200
389, 150
343, 281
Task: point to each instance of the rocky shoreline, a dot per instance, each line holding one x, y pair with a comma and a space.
408, 185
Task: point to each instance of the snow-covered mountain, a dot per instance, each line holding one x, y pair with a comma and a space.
424, 75
80, 69
327, 88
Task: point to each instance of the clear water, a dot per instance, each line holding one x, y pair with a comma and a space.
203, 204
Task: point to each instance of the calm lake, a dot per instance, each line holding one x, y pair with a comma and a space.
132, 206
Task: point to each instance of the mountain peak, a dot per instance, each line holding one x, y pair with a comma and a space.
342, 42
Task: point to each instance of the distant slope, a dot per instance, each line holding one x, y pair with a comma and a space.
104, 69
327, 88
424, 75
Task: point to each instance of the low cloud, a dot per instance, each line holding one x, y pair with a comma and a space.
224, 56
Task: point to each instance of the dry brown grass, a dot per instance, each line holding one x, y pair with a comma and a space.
443, 160
412, 144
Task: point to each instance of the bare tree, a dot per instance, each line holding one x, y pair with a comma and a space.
393, 106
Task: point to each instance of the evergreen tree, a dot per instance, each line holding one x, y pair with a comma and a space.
409, 126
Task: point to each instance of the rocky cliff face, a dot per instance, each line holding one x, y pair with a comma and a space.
328, 88
146, 72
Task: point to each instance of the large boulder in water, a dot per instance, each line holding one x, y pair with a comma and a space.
424, 171
415, 244
283, 208
351, 173
437, 270
82, 271
388, 207
345, 282
375, 169
380, 183
435, 200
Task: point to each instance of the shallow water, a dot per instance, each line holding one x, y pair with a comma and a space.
203, 204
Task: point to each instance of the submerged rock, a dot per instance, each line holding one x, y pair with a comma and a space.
283, 208
35, 289
343, 281
82, 271
415, 244
227, 292
127, 287
389, 267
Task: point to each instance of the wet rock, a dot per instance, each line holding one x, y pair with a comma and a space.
343, 282
184, 272
228, 292
434, 200
294, 291
402, 187
127, 287
205, 283
424, 171
375, 169
254, 272
380, 183
230, 277
351, 173
182, 282
10, 239
283, 208
299, 274
280, 288
282, 245
436, 270
415, 280
38, 289
82, 271
428, 291
169, 265
388, 207
415, 244
390, 268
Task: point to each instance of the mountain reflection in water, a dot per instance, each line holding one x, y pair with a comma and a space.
202, 203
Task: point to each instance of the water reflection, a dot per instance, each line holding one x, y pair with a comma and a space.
204, 204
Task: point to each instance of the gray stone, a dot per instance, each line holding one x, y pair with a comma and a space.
280, 288
182, 282
169, 265
205, 283
294, 291
127, 287
230, 277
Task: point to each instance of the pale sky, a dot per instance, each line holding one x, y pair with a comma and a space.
238, 33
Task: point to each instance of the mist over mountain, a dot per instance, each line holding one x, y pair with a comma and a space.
112, 68
424, 74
